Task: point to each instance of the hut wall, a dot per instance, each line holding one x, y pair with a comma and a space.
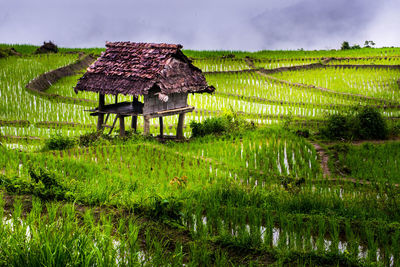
152, 104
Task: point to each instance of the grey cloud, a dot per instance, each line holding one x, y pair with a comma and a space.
313, 23
209, 24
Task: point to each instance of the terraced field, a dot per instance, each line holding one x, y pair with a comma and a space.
258, 196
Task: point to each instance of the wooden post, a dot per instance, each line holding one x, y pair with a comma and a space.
179, 129
134, 118
134, 123
100, 118
161, 127
121, 125
146, 127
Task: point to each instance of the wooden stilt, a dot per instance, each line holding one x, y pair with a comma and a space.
121, 126
134, 123
161, 127
146, 127
100, 118
134, 118
179, 129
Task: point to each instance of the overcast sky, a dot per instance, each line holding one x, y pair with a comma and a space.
206, 24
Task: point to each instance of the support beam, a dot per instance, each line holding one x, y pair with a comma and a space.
179, 129
134, 123
100, 118
161, 127
121, 126
146, 127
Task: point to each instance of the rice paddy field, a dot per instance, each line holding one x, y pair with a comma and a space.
264, 195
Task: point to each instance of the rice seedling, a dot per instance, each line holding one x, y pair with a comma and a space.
258, 192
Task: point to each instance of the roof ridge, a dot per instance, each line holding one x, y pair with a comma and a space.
144, 45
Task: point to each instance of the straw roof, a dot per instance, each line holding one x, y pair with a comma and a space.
135, 68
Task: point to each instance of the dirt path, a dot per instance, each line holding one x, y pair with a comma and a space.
324, 158
41, 83
250, 62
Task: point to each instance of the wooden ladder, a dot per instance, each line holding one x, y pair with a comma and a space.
110, 126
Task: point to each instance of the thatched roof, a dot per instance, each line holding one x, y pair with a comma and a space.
135, 68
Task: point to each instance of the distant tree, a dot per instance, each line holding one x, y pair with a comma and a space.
369, 44
345, 45
356, 47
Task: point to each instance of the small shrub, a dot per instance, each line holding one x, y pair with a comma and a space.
15, 185
371, 124
303, 133
58, 142
208, 126
394, 129
229, 122
292, 184
88, 138
43, 184
46, 186
338, 127
166, 209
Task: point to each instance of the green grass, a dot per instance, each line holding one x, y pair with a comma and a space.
246, 197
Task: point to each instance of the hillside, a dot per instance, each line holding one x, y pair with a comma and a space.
293, 177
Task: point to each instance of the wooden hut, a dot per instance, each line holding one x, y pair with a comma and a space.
159, 72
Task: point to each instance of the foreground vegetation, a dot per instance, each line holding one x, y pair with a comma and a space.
247, 188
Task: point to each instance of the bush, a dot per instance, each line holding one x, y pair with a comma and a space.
371, 124
394, 129
46, 186
58, 142
208, 126
338, 127
43, 184
364, 123
165, 209
89, 138
227, 123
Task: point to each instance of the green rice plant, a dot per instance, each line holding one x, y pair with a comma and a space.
372, 162
220, 64
334, 232
257, 191
379, 83
391, 60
